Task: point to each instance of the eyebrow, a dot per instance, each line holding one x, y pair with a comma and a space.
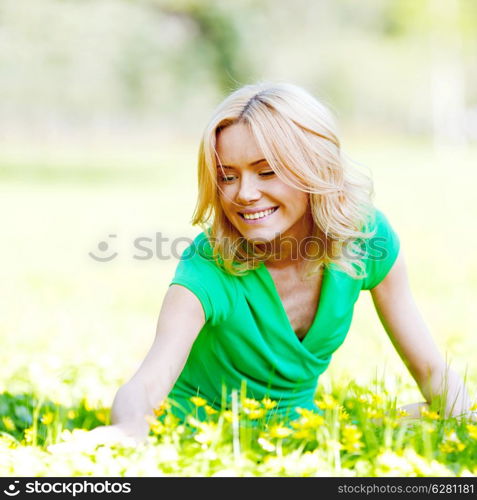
256, 162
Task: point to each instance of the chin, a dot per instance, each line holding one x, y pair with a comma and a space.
260, 236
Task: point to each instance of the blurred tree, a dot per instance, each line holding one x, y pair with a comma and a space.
218, 40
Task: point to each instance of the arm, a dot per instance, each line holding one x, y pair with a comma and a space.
410, 336
180, 320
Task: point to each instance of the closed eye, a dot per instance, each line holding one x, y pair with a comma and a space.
227, 178
267, 174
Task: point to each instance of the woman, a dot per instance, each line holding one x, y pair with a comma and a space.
265, 294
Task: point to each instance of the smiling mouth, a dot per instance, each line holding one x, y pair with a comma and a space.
259, 215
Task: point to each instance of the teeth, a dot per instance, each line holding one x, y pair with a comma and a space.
258, 215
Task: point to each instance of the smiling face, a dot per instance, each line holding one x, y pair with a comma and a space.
255, 200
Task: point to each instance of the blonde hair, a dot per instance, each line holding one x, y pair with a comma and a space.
297, 135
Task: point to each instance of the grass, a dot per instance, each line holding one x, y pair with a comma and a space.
72, 329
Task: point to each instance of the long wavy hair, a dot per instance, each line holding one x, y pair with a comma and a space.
298, 137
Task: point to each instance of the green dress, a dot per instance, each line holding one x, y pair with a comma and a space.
248, 339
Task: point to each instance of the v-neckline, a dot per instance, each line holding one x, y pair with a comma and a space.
319, 306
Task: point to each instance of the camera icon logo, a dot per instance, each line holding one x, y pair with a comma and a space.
12, 491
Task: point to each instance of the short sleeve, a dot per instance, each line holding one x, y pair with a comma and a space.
381, 251
215, 289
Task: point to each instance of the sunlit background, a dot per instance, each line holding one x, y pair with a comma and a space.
102, 104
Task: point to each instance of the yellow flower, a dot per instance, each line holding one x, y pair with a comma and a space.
401, 413
429, 414
328, 402
365, 398
162, 408
47, 418
209, 410
256, 414
171, 420
279, 431
102, 416
309, 419
8, 423
250, 404
473, 407
374, 413
155, 425
446, 448
268, 403
343, 414
71, 414
352, 438
377, 399
198, 401
472, 429
451, 443
29, 435
228, 415
303, 434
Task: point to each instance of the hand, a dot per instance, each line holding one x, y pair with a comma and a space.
81, 440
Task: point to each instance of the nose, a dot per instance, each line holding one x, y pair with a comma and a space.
248, 191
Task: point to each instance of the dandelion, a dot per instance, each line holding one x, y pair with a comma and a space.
209, 410
268, 403
374, 413
343, 414
9, 424
171, 421
352, 438
102, 416
303, 434
279, 431
228, 415
364, 398
162, 408
198, 401
71, 414
29, 435
401, 413
328, 402
472, 429
155, 425
256, 414
376, 399
451, 443
250, 404
308, 420
47, 418
432, 415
